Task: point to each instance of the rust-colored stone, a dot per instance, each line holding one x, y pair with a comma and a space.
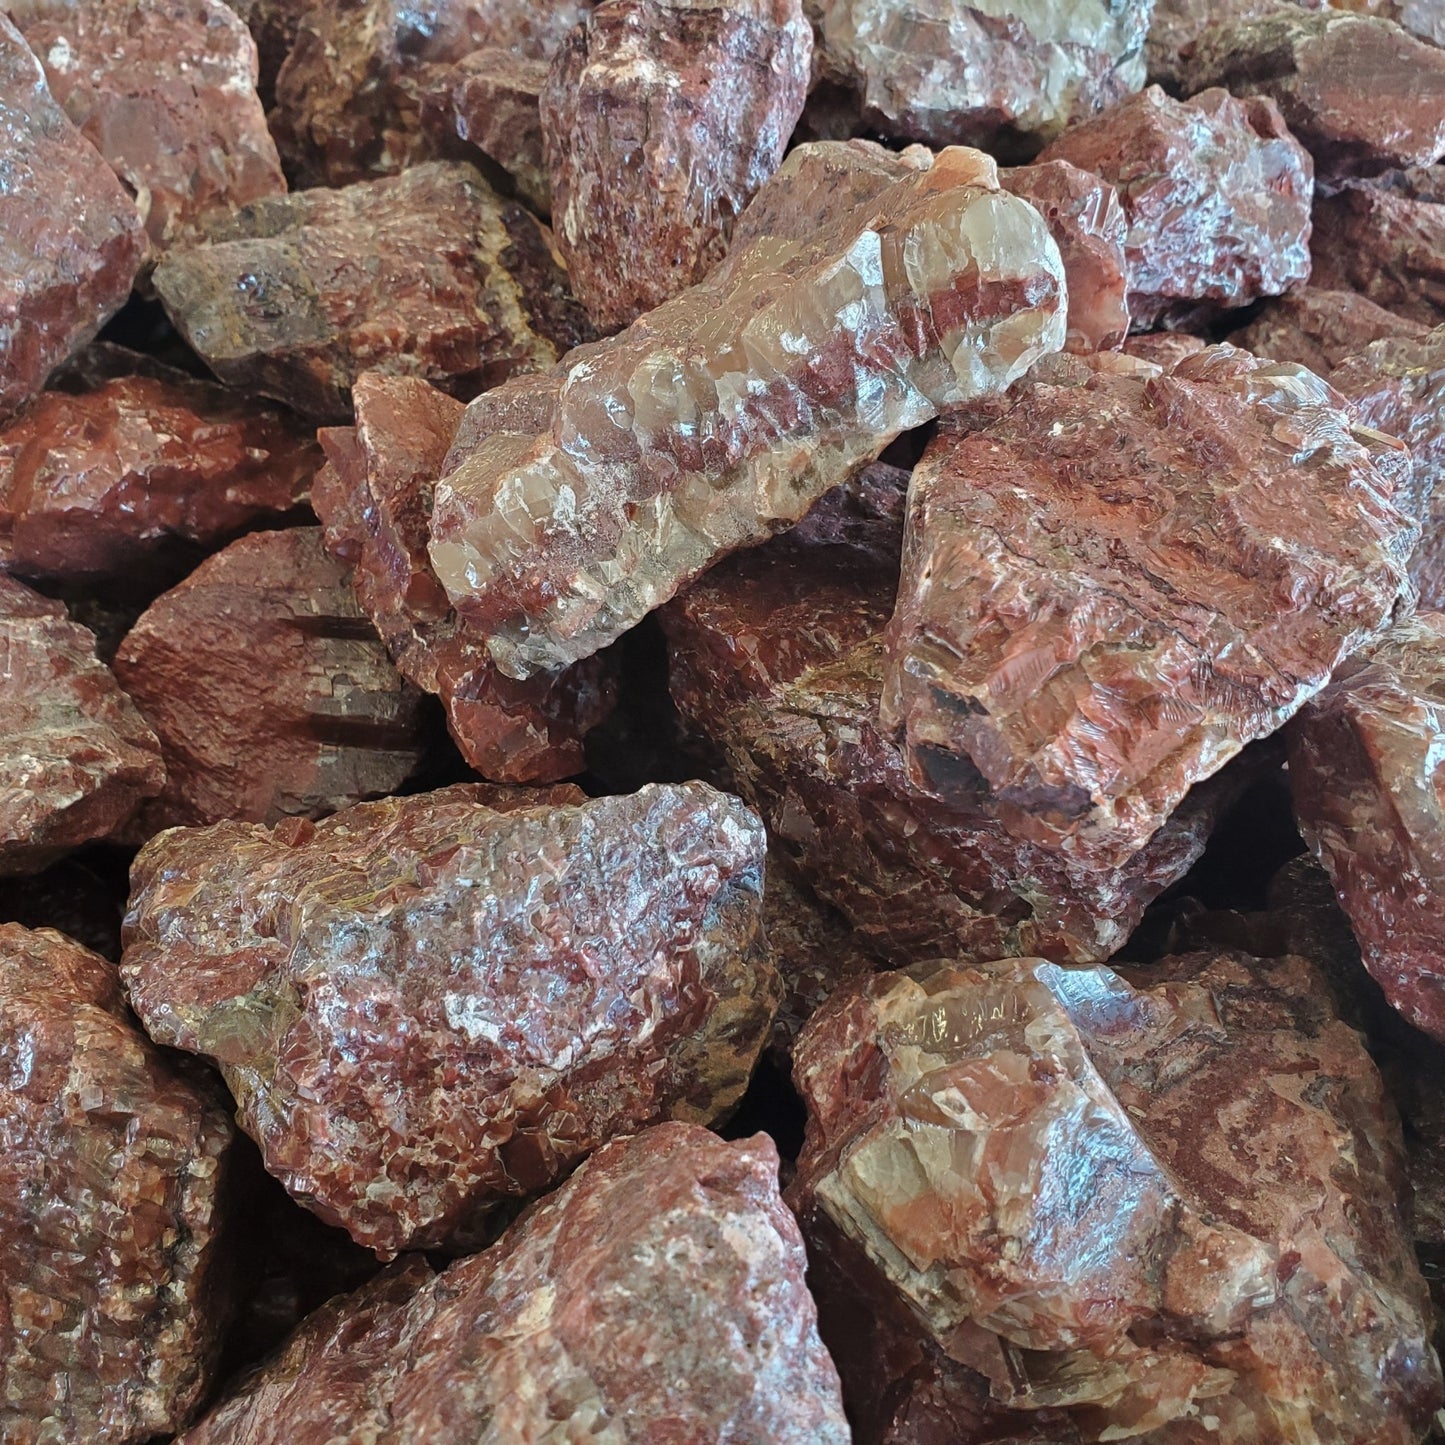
1164, 349
1176, 24
1319, 328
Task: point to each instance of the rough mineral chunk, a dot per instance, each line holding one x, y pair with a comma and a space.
1217, 194
112, 1282
1112, 589
270, 692
375, 500
166, 91
425, 1005
1176, 24
662, 118
70, 238
1164, 349
76, 758
1158, 1208
946, 72
1319, 328
724, 414
658, 1294
429, 274
130, 480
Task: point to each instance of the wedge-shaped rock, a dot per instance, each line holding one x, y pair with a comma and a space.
1172, 1210
430, 274
70, 238
270, 692
112, 1278
426, 1005
1177, 24
662, 118
375, 500
166, 91
76, 758
1319, 328
1217, 194
658, 1294
1114, 588
724, 414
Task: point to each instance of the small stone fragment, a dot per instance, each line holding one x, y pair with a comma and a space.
270, 692
662, 118
1106, 1198
166, 91
1164, 349
1217, 195
428, 274
112, 1279
1115, 587
273, 25
375, 500
723, 415
70, 239
76, 758
427, 1005
1319, 328
1178, 23
658, 1294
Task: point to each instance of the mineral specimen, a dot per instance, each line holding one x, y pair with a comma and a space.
112, 1296
166, 91
1176, 24
661, 119
128, 481
1172, 1210
1367, 767
658, 1294
76, 758
429, 274
425, 1005
375, 500
270, 692
945, 72
70, 239
1165, 349
1217, 194
1117, 585
724, 414
1319, 328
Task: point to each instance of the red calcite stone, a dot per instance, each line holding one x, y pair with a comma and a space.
427, 1005
1176, 24
1164, 349
1217, 195
1319, 328
70, 238
112, 1276
657, 1295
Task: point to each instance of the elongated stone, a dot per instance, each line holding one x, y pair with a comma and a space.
1177, 24
113, 1282
461, 1002
1319, 328
723, 415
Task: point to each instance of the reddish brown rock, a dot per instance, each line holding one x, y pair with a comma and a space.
426, 1005
273, 25
661, 120
270, 692
1111, 590
76, 758
1164, 349
1319, 328
375, 500
429, 274
1171, 1208
112, 1279
130, 480
1217, 195
166, 91
1176, 24
70, 239
657, 1295
1084, 216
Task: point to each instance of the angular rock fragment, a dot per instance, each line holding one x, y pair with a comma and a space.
1217, 195
1176, 24
659, 1293
1165, 349
270, 692
1112, 589
273, 25
426, 1005
129, 481
1170, 1208
70, 238
429, 274
946, 72
166, 91
375, 500
1319, 328
661, 120
112, 1279
724, 414
76, 758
